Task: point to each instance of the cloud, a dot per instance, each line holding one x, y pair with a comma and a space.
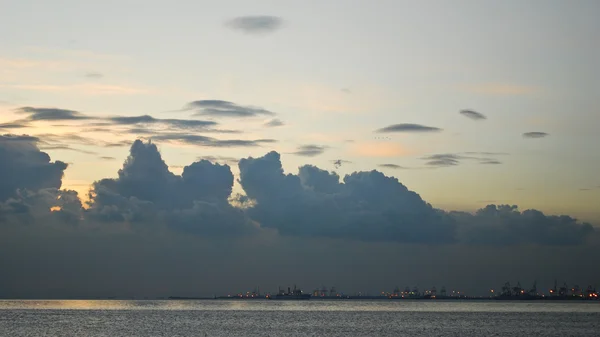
51, 114
107, 158
24, 166
452, 159
392, 166
408, 128
490, 162
14, 125
346, 90
184, 124
366, 206
94, 75
274, 123
337, 163
66, 148
218, 108
473, 114
442, 160
259, 24
506, 225
310, 150
535, 134
193, 139
146, 191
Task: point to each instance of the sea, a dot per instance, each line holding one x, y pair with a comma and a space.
165, 318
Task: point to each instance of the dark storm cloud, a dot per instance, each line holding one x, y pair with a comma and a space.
274, 123
535, 134
133, 240
219, 108
392, 166
366, 206
506, 225
200, 140
408, 128
473, 114
94, 75
309, 150
51, 114
146, 191
258, 24
24, 166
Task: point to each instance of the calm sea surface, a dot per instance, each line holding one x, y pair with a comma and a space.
298, 318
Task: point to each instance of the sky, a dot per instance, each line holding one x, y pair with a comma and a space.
455, 105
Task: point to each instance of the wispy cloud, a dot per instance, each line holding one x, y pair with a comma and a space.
453, 159
108, 158
66, 148
199, 140
535, 134
473, 114
94, 75
14, 125
147, 119
219, 108
50, 114
274, 123
392, 166
310, 150
337, 163
408, 128
258, 24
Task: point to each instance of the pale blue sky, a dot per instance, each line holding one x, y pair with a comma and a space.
334, 71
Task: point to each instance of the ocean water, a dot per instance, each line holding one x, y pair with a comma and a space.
84, 318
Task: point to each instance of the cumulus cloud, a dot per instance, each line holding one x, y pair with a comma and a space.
274, 123
146, 191
24, 166
366, 206
51, 114
408, 128
535, 134
258, 24
506, 225
310, 150
473, 114
137, 225
219, 108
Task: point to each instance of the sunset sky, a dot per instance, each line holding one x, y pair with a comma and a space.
467, 103
333, 73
